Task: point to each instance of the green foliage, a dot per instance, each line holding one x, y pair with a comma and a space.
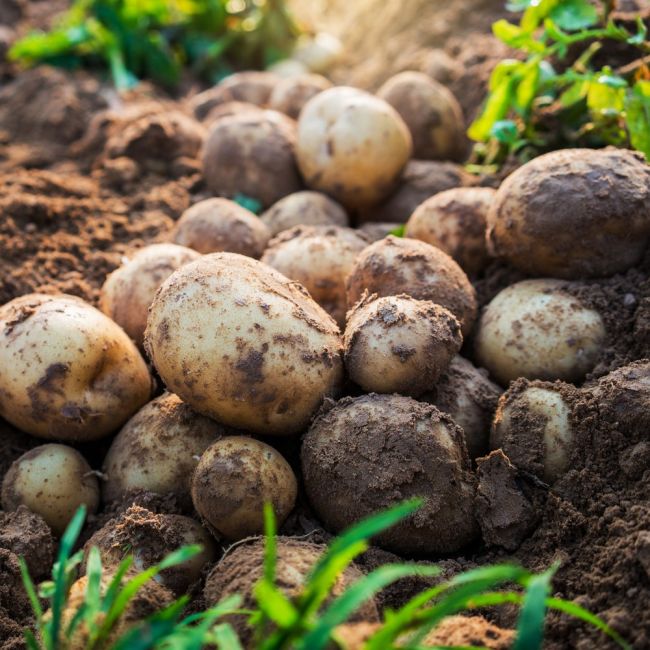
554, 96
155, 39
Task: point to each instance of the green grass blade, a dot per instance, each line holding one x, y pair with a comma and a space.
30, 589
30, 640
230, 605
179, 556
226, 638
530, 626
275, 605
116, 583
270, 544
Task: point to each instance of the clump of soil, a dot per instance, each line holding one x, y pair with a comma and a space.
15, 610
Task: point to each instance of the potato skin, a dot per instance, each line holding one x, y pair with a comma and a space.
53, 481
129, 290
396, 265
575, 213
234, 478
216, 225
241, 343
291, 94
67, 372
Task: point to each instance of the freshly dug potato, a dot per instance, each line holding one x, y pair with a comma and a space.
352, 146
216, 225
574, 213
158, 449
129, 290
367, 453
395, 265
228, 109
291, 94
431, 112
241, 343
252, 154
535, 329
52, 481
304, 208
68, 372
455, 221
397, 344
320, 258
234, 478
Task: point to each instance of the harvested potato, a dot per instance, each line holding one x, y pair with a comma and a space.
397, 344
216, 225
535, 329
367, 453
252, 154
431, 112
574, 213
455, 221
276, 354
158, 449
441, 67
291, 94
129, 290
320, 258
304, 208
52, 481
228, 109
352, 146
395, 265
68, 371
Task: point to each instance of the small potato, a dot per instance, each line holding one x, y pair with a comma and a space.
52, 481
241, 343
304, 208
291, 94
158, 449
399, 345
229, 109
431, 112
235, 477
441, 67
67, 371
352, 146
455, 221
320, 258
129, 290
535, 329
395, 265
252, 154
216, 225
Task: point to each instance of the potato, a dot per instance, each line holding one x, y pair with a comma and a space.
234, 478
320, 258
395, 265
441, 67
535, 329
431, 112
352, 146
53, 481
575, 213
241, 343
455, 221
367, 453
216, 225
292, 93
129, 290
158, 449
252, 154
229, 109
319, 52
67, 371
304, 208
397, 344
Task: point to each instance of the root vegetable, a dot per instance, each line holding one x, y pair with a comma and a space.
319, 52
291, 94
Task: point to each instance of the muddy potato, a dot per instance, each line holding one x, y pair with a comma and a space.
320, 258
228, 109
216, 225
396, 265
67, 372
455, 221
536, 329
241, 343
235, 477
397, 344
352, 146
431, 112
129, 290
575, 213
52, 481
367, 453
291, 94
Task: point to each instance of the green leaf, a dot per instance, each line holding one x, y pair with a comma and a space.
637, 110
574, 15
530, 625
226, 638
498, 104
505, 131
536, 13
604, 99
527, 86
248, 202
30, 589
275, 605
398, 231
641, 33
576, 92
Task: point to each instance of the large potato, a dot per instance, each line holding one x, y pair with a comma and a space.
292, 93
575, 213
239, 342
67, 371
352, 146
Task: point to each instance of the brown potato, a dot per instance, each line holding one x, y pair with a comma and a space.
229, 109
292, 93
